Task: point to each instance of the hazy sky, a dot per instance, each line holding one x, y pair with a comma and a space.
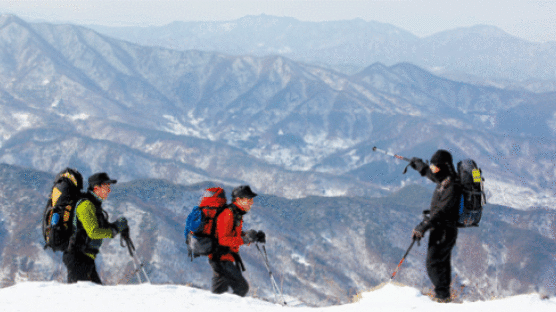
534, 20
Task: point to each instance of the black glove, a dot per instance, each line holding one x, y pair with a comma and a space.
420, 229
250, 236
120, 226
418, 164
261, 237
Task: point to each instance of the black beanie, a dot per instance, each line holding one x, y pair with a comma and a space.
441, 157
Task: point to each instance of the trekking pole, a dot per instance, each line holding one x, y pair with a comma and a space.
376, 149
403, 258
137, 264
272, 280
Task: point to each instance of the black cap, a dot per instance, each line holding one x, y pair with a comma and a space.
243, 191
441, 157
100, 178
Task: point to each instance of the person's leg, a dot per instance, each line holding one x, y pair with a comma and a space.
219, 280
441, 243
94, 277
227, 274
80, 268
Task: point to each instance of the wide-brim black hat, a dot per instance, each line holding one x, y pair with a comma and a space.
243, 191
100, 178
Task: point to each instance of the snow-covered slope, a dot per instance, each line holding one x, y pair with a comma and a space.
85, 297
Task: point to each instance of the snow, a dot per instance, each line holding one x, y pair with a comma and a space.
81, 116
24, 120
175, 127
85, 296
300, 259
515, 196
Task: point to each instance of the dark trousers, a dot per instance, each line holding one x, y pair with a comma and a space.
80, 268
441, 243
227, 274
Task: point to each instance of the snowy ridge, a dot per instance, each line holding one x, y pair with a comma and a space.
53, 296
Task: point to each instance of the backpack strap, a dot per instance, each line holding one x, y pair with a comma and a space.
74, 221
238, 260
73, 237
219, 210
218, 249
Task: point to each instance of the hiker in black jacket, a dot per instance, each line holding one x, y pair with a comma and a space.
441, 220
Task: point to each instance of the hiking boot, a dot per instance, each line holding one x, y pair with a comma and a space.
442, 300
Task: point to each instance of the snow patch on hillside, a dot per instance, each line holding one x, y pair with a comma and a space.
518, 197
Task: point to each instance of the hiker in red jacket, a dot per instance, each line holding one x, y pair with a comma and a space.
225, 261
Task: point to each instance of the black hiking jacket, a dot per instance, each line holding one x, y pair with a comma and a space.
80, 241
445, 200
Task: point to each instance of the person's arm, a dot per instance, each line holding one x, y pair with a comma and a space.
423, 168
86, 214
443, 208
224, 230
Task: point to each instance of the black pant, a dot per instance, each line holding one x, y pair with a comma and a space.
228, 274
441, 242
80, 268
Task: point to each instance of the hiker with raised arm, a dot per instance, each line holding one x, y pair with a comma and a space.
441, 220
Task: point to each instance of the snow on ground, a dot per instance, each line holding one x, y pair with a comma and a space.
83, 297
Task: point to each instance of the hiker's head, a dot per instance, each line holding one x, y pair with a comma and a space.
441, 162
213, 197
99, 183
441, 157
243, 196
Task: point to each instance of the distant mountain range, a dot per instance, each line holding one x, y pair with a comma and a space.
481, 54
70, 96
323, 250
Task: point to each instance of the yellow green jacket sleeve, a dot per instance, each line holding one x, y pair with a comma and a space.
86, 214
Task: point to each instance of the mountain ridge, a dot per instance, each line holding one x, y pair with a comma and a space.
358, 44
303, 122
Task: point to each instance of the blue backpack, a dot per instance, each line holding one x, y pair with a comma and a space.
194, 221
199, 242
473, 196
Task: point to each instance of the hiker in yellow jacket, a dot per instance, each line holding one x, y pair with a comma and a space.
91, 226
